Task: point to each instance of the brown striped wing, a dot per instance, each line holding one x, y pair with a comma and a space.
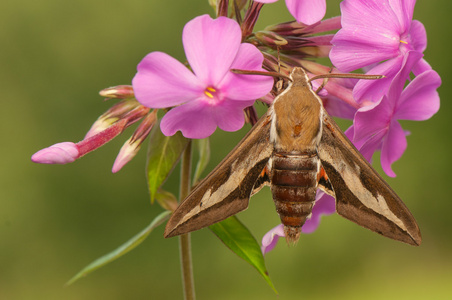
362, 195
227, 189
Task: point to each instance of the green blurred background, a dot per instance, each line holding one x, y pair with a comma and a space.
55, 57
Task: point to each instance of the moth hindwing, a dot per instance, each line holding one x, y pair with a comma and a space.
300, 148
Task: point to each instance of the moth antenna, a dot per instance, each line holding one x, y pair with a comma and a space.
349, 75
324, 82
265, 73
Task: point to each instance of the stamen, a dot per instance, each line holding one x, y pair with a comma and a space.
211, 89
208, 94
403, 42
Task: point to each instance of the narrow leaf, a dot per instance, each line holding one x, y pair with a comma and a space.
240, 240
121, 250
163, 155
203, 146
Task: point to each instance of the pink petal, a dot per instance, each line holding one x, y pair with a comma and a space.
337, 108
393, 147
265, 1
372, 118
373, 90
211, 46
193, 119
366, 146
324, 205
229, 115
162, 81
377, 16
372, 143
420, 100
307, 11
61, 153
418, 36
421, 67
350, 133
351, 54
198, 119
395, 90
246, 87
271, 238
404, 12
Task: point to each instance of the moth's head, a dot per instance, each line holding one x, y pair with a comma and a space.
299, 76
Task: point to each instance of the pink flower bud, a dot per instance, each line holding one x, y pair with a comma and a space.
118, 92
270, 38
61, 153
133, 144
127, 152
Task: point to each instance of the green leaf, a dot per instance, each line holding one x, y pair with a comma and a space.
204, 157
240, 240
166, 200
121, 250
163, 155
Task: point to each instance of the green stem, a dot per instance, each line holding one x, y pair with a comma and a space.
184, 240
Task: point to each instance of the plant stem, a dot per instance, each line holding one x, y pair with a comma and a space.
184, 240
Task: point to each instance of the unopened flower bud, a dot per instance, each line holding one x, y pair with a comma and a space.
118, 92
133, 144
61, 153
116, 112
270, 38
297, 29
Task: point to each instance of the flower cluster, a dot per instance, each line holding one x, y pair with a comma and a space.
378, 36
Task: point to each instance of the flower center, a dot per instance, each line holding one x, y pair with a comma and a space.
213, 96
405, 43
210, 92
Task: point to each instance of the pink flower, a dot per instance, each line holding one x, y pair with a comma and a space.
375, 31
304, 11
211, 95
376, 126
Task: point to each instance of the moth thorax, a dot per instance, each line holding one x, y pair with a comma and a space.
294, 185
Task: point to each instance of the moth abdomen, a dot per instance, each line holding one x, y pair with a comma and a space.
294, 184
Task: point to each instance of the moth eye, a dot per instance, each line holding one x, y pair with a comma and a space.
200, 204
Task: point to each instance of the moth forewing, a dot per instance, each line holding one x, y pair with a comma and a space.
362, 195
227, 189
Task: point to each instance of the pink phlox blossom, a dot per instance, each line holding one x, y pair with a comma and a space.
211, 95
376, 126
375, 31
304, 11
